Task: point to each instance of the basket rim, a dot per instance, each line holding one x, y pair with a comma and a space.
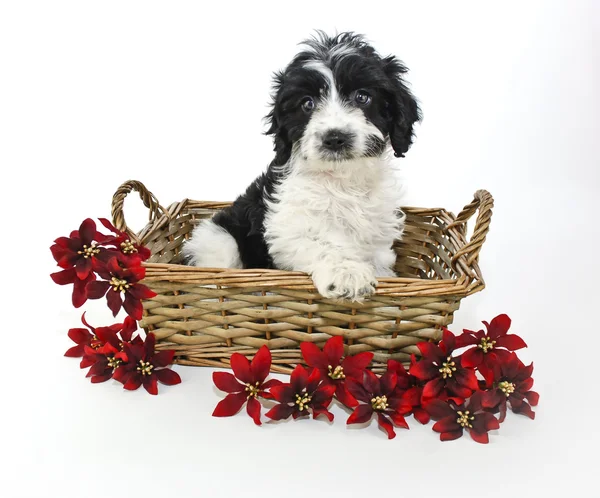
469, 280
464, 260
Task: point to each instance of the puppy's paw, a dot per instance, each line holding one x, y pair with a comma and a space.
350, 280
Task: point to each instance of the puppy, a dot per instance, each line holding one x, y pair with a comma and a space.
328, 203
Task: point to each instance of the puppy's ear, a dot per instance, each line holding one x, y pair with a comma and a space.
403, 109
273, 118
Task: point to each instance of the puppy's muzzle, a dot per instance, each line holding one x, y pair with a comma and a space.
337, 141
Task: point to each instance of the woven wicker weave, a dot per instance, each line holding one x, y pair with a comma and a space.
206, 314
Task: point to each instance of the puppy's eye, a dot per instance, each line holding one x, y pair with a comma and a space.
362, 98
308, 105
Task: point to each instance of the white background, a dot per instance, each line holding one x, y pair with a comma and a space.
172, 94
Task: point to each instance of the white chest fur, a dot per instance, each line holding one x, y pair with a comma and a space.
332, 218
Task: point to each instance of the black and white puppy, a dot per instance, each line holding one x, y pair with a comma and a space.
328, 203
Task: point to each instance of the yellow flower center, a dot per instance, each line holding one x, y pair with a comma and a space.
302, 400
88, 252
119, 285
252, 390
127, 247
114, 362
464, 419
447, 368
506, 387
145, 367
336, 373
486, 344
379, 403
95, 342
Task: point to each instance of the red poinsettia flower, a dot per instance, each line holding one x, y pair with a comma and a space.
129, 253
444, 375
512, 383
69, 276
117, 281
333, 369
252, 384
105, 358
490, 347
303, 392
378, 396
83, 337
79, 251
410, 393
144, 366
452, 420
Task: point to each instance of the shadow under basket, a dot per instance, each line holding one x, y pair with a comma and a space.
206, 314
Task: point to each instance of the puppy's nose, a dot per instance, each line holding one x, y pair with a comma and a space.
336, 140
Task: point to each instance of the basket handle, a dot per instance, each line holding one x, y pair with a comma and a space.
482, 202
148, 198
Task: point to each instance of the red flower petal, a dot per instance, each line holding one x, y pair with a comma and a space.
97, 289
163, 358
253, 409
261, 364
79, 295
313, 356
371, 383
284, 393
532, 397
96, 379
227, 382
64, 277
140, 291
511, 342
314, 379
83, 267
113, 300
80, 336
357, 390
398, 420
241, 368
270, 384
323, 395
132, 306
87, 231
150, 384
466, 377
75, 351
429, 350
322, 411
280, 412
421, 415
355, 365
360, 415
467, 338
334, 349
439, 409
121, 374
388, 382
386, 425
167, 376
480, 437
498, 327
299, 379
423, 370
523, 408
433, 388
472, 358
447, 424
134, 381
491, 399
450, 436
343, 396
230, 405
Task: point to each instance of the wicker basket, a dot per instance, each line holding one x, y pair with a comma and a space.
206, 314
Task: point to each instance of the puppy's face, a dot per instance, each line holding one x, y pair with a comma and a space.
339, 101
